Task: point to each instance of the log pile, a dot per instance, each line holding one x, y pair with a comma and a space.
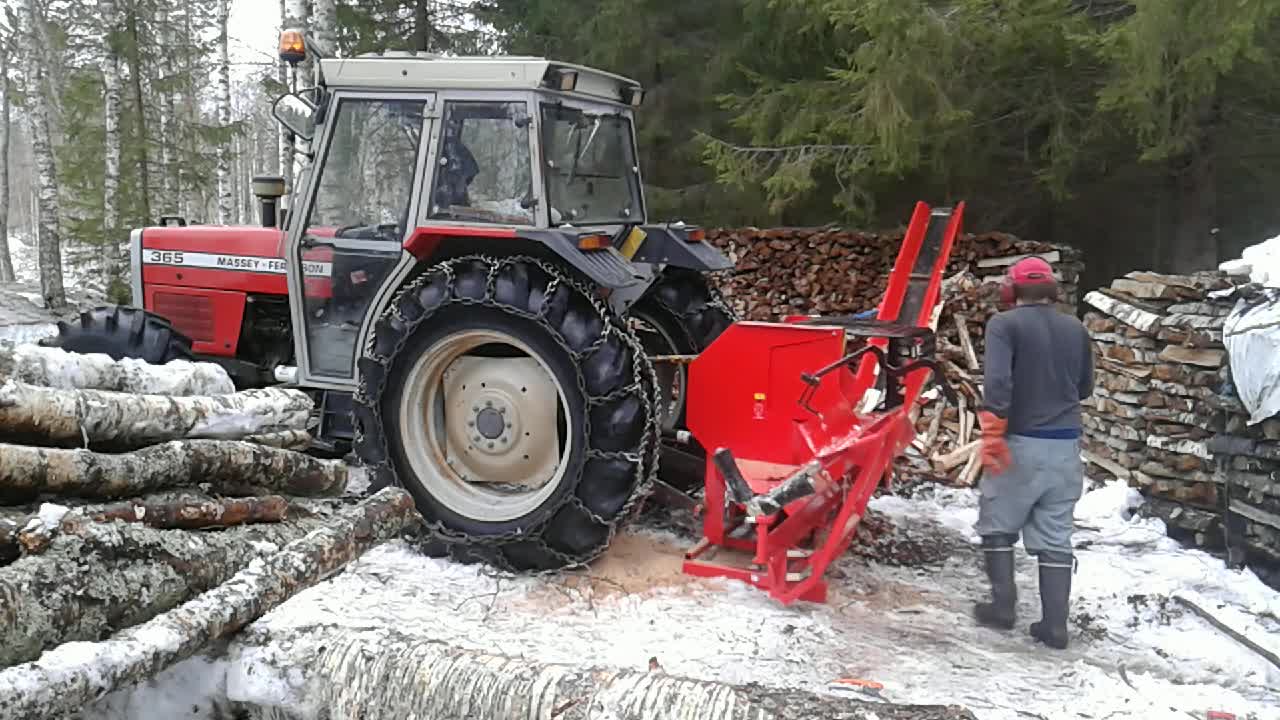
137, 528
1159, 357
1247, 469
1165, 416
827, 271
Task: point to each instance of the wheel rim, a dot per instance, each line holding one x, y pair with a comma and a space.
672, 378
484, 424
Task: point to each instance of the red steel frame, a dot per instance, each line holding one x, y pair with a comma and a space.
743, 395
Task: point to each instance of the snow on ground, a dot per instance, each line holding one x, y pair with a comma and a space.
1136, 652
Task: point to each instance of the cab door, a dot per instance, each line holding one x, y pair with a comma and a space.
347, 237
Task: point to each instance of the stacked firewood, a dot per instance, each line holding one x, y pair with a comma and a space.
1247, 470
828, 271
127, 491
1160, 360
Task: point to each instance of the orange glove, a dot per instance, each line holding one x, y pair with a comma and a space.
996, 457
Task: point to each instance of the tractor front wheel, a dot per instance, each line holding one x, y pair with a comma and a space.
514, 407
123, 332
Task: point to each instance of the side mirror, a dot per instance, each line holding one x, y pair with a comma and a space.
296, 113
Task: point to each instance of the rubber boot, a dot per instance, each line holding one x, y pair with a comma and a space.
1055, 599
1001, 613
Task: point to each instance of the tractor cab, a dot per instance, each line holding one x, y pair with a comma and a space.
409, 153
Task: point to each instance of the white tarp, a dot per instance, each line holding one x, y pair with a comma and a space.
1252, 336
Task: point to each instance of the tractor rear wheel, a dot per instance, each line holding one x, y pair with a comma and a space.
681, 314
123, 332
514, 407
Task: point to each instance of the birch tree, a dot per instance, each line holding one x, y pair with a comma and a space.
167, 116
38, 106
226, 198
6, 262
111, 127
324, 25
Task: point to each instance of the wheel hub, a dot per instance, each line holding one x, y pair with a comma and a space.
491, 424
499, 417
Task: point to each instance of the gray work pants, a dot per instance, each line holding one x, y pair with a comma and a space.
1036, 497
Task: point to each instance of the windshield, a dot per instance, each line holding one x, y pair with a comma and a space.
591, 170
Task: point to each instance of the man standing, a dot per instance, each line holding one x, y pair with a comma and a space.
1038, 369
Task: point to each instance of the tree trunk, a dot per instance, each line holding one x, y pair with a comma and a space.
124, 420
226, 197
111, 127
324, 25
1195, 232
58, 369
224, 465
38, 93
6, 260
421, 39
167, 118
284, 440
134, 58
381, 675
70, 677
285, 164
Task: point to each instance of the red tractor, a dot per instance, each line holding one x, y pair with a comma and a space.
467, 280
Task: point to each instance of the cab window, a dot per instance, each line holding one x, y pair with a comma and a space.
484, 172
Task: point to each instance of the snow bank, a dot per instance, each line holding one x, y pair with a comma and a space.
1260, 262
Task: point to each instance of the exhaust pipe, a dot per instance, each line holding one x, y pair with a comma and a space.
269, 189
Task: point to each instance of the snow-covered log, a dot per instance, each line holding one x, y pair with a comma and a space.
71, 676
226, 465
380, 675
56, 368
124, 420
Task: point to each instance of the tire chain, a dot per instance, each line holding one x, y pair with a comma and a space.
715, 301
645, 456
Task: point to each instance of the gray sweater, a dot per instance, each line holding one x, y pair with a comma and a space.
1038, 368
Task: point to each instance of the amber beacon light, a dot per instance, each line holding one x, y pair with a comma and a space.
293, 48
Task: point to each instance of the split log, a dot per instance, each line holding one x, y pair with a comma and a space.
72, 675
966, 343
56, 368
382, 674
953, 459
226, 465
76, 417
1131, 314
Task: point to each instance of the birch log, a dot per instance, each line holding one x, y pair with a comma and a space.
109, 576
53, 367
225, 465
195, 514
127, 420
73, 675
383, 675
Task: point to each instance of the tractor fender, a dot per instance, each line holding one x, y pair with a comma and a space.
667, 245
605, 267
